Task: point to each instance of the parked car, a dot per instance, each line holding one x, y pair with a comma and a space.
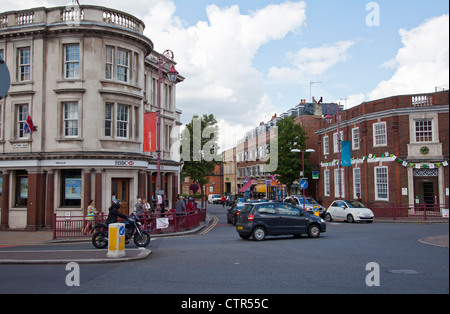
257, 220
233, 212
349, 211
214, 198
310, 203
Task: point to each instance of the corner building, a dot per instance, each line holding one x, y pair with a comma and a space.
399, 148
86, 75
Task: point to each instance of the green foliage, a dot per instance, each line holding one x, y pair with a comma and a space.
290, 136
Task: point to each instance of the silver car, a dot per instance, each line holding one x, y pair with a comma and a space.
310, 204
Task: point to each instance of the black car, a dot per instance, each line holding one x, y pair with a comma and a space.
261, 219
233, 212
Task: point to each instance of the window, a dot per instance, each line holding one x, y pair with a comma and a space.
286, 209
70, 123
326, 149
21, 188
22, 114
355, 138
122, 121
123, 65
108, 119
109, 63
336, 142
70, 187
424, 130
336, 183
381, 183
356, 182
71, 61
24, 64
268, 209
379, 134
326, 176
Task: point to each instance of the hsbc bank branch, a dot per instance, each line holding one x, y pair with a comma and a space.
85, 77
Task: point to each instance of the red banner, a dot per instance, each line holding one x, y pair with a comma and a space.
150, 131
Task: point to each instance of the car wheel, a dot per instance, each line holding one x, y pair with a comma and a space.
350, 218
313, 231
259, 234
328, 217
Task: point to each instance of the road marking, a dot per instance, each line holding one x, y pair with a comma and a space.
212, 225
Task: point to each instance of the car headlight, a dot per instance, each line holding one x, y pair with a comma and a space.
321, 220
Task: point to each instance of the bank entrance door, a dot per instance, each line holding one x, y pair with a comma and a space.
121, 190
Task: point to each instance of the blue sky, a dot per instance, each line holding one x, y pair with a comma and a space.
246, 60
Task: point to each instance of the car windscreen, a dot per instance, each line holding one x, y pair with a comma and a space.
355, 204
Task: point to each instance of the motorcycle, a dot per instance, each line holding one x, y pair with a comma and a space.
133, 229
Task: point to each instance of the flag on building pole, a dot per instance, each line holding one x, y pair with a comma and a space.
29, 126
345, 153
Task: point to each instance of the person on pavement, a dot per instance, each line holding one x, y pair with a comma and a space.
180, 206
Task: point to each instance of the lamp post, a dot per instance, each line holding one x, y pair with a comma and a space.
308, 150
165, 58
329, 119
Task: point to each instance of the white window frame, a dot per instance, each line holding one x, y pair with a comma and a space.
379, 137
355, 138
326, 181
109, 119
123, 121
381, 185
336, 183
123, 65
357, 182
109, 62
70, 119
423, 135
24, 64
71, 61
326, 145
22, 115
336, 142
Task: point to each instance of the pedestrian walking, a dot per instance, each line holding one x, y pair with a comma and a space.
90, 217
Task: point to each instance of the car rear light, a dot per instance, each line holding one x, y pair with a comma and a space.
250, 217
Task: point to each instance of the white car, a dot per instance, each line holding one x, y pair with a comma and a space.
350, 211
214, 198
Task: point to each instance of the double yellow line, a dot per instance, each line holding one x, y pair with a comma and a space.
212, 225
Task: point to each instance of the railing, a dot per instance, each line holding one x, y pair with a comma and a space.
412, 212
71, 14
169, 222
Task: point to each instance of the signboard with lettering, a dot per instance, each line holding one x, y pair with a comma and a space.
150, 131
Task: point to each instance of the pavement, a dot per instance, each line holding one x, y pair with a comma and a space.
12, 242
21, 247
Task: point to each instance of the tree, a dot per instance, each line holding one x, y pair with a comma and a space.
290, 136
200, 149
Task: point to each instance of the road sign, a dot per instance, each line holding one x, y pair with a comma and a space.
316, 210
303, 184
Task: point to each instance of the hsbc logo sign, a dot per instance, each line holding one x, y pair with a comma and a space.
124, 163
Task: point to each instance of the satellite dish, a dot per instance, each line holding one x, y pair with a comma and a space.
5, 79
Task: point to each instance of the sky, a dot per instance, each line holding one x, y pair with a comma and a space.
245, 60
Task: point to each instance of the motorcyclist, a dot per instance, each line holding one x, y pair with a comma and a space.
114, 212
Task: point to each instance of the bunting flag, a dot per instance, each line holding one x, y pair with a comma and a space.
29, 126
432, 165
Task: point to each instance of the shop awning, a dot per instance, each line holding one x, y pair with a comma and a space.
246, 186
260, 188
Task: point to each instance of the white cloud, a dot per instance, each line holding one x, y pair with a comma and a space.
312, 61
422, 63
215, 56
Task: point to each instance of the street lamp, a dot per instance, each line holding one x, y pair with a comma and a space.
329, 119
165, 58
308, 150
